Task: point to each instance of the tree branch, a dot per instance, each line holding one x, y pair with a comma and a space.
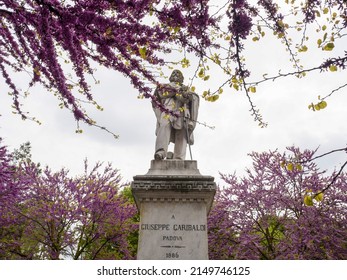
333, 91
328, 153
332, 181
5, 13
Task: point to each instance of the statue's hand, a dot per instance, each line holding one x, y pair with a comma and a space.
190, 125
184, 95
166, 91
184, 88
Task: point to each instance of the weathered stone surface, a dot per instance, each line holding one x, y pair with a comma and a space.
173, 200
173, 167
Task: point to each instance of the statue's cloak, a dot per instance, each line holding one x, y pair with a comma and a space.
185, 108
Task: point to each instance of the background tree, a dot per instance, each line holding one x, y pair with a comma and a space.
281, 209
49, 215
23, 153
221, 231
133, 236
276, 211
12, 185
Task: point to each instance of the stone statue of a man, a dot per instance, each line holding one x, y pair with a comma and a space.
177, 98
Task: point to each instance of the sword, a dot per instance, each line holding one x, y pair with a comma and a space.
190, 149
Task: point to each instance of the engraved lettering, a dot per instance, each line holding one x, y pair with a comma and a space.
155, 227
189, 227
172, 238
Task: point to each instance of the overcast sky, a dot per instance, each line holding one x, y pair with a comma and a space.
283, 104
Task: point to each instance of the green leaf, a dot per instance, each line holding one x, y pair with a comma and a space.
329, 47
290, 166
201, 73
212, 98
280, 23
308, 200
319, 197
37, 71
322, 104
298, 167
205, 93
303, 49
143, 52
316, 107
177, 29
185, 63
333, 68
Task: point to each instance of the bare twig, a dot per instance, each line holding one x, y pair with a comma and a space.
328, 153
333, 91
332, 181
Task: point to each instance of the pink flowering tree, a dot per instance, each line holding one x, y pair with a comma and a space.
37, 36
12, 186
278, 211
49, 215
135, 38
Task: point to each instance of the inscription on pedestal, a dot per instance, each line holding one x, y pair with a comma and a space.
173, 238
173, 230
174, 227
173, 200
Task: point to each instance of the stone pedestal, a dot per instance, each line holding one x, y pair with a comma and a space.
173, 199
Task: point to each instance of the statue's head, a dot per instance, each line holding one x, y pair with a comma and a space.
176, 77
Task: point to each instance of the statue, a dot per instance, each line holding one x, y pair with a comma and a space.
177, 98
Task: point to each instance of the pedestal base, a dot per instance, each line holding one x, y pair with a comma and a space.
173, 200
